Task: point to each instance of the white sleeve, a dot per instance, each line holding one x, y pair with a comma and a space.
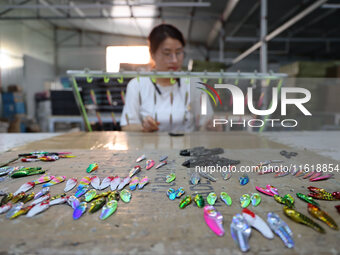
131, 110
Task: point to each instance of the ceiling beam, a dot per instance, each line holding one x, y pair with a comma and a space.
9, 9
280, 29
230, 6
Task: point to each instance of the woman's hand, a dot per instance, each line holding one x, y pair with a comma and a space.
149, 124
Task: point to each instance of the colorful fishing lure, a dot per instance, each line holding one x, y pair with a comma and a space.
123, 183
185, 202
171, 193
272, 189
211, 198
321, 178
134, 171
143, 182
5, 208
92, 167
281, 229
40, 199
214, 220
90, 195
106, 182
226, 198
58, 196
38, 208
149, 164
73, 202
244, 179
25, 187
134, 182
58, 201
255, 199
18, 197
43, 179
316, 212
163, 158
264, 191
70, 184
307, 199
141, 158
26, 172
8, 197
113, 196
179, 192
319, 193
125, 196
97, 204
44, 191
163, 163
108, 209
258, 223
54, 181
287, 200
245, 200
114, 183
199, 200
303, 219
14, 210
170, 177
85, 181
240, 232
28, 198
80, 210
226, 175
195, 178
81, 190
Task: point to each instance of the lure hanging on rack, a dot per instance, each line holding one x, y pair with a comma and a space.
260, 101
122, 95
93, 97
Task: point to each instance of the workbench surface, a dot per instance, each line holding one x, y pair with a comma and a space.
151, 223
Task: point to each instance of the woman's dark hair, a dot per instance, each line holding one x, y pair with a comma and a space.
160, 33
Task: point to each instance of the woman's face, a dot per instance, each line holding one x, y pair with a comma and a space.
169, 55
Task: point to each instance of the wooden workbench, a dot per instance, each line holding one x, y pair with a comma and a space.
151, 223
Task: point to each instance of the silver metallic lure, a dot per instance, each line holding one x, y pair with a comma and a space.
240, 231
280, 228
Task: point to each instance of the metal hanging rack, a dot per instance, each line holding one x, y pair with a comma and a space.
89, 74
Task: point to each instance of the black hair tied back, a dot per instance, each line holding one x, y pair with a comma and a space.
160, 33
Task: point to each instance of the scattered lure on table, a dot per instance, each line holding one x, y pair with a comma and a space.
134, 170
207, 176
55, 181
163, 163
18, 197
307, 199
255, 199
70, 184
272, 189
73, 202
143, 181
195, 178
123, 183
303, 219
90, 195
114, 183
163, 158
58, 196
40, 199
171, 193
185, 202
321, 178
38, 208
170, 177
106, 182
316, 212
42, 192
22, 211
8, 197
281, 229
199, 200
6, 207
179, 192
319, 193
226, 175
25, 187
240, 232
92, 167
133, 183
211, 198
58, 201
226, 198
245, 200
28, 197
95, 182
113, 196
80, 210
26, 172
264, 191
43, 179
125, 196
14, 209
85, 181
149, 164
108, 209
214, 220
258, 223
315, 175
287, 200
97, 204
308, 175
244, 179
81, 191
282, 173
141, 158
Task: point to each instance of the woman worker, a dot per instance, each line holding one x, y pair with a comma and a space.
160, 105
